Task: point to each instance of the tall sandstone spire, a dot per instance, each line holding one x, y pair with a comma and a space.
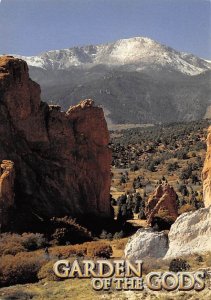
60, 160
206, 172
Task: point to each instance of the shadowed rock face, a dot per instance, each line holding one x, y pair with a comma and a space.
163, 199
61, 159
206, 173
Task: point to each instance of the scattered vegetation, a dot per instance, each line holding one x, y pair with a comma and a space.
11, 243
26, 267
146, 157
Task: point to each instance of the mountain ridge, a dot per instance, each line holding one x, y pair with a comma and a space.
140, 51
136, 80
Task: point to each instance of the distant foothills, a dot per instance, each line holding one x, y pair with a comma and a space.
135, 80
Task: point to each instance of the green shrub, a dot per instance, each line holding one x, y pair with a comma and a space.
178, 265
65, 230
172, 166
103, 235
119, 235
162, 220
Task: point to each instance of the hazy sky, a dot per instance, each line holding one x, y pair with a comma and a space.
29, 27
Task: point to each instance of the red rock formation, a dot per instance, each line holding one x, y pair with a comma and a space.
162, 200
206, 172
7, 177
62, 160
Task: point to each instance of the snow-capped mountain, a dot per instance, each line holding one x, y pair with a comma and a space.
135, 80
139, 53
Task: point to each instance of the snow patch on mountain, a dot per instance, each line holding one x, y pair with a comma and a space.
140, 52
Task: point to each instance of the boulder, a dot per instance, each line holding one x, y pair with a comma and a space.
190, 234
62, 159
146, 243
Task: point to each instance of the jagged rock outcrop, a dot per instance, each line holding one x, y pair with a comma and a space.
146, 243
206, 173
61, 159
7, 177
190, 234
162, 201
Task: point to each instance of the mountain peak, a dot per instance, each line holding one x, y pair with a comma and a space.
136, 39
136, 52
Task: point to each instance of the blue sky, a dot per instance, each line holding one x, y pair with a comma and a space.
29, 27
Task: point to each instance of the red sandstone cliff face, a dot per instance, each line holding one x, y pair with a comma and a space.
61, 159
162, 200
7, 177
206, 172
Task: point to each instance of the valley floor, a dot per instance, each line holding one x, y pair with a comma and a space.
78, 289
